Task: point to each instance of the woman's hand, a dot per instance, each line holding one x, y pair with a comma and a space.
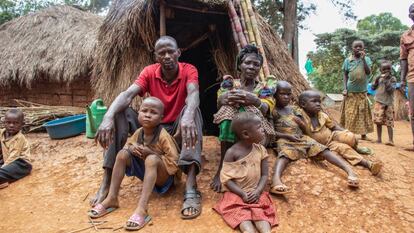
244, 98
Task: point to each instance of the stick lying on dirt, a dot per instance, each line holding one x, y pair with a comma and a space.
86, 228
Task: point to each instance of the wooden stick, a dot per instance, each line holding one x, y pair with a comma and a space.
85, 228
93, 223
243, 22
119, 228
204, 11
163, 28
237, 26
248, 22
258, 38
196, 42
86, 196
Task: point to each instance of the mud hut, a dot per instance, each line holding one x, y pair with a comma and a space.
46, 57
203, 31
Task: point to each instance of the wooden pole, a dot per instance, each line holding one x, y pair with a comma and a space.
243, 22
258, 39
237, 26
248, 22
163, 28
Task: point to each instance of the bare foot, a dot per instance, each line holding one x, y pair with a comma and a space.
390, 143
375, 167
110, 202
365, 138
100, 195
216, 183
379, 141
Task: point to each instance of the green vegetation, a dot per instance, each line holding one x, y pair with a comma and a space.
381, 35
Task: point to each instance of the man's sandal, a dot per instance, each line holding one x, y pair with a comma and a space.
136, 222
192, 199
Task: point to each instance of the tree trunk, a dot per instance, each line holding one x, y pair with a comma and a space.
290, 25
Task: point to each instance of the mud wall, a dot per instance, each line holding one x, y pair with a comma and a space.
78, 93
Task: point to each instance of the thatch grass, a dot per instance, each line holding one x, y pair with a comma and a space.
126, 38
56, 44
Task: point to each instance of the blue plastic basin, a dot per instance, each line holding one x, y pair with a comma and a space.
66, 127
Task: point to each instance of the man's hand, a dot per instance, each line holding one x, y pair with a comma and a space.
188, 132
105, 132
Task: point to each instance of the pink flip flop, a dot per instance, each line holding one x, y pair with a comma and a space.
99, 210
139, 220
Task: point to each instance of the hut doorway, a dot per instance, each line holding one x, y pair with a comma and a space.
201, 58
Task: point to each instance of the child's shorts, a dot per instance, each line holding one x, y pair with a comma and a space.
383, 114
137, 169
308, 148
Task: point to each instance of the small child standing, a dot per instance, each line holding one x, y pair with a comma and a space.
384, 84
245, 204
151, 154
319, 126
293, 145
14, 149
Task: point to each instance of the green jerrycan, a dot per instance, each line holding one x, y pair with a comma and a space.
94, 116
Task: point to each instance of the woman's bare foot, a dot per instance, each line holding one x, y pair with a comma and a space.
390, 143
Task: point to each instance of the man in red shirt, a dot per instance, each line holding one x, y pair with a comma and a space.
176, 85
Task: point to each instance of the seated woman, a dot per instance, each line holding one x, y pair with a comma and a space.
243, 94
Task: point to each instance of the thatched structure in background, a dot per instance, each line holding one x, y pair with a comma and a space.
54, 45
203, 31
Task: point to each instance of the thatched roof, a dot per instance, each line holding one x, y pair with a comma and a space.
127, 36
56, 43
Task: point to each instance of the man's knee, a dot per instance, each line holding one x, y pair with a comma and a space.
152, 161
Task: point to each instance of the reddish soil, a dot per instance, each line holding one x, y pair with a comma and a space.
54, 198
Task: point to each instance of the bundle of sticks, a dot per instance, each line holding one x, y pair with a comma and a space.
37, 114
245, 29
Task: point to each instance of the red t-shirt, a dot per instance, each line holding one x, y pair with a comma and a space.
172, 95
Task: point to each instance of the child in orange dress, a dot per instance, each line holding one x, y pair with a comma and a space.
292, 144
323, 129
245, 204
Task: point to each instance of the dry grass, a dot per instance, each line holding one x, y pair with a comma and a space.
125, 47
57, 43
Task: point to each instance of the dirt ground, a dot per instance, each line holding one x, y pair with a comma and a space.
54, 198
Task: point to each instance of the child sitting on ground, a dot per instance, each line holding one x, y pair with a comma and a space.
384, 101
319, 126
244, 176
14, 149
150, 154
292, 144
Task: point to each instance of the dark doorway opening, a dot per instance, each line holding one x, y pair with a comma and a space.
201, 58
